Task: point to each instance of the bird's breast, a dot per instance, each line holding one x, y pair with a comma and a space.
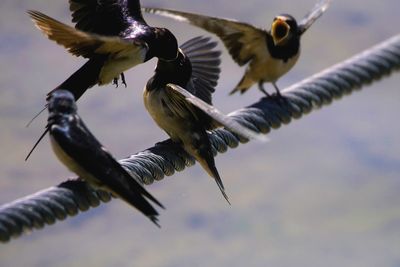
159, 106
120, 62
72, 165
269, 69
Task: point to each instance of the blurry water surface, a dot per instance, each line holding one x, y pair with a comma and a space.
323, 192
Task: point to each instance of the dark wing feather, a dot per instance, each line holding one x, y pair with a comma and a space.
241, 39
105, 17
205, 67
185, 98
78, 143
316, 12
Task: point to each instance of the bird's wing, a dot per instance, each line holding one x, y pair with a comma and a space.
320, 7
80, 43
185, 98
241, 39
105, 17
205, 66
81, 146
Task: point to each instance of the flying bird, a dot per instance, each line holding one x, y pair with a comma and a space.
112, 35
178, 98
269, 54
81, 153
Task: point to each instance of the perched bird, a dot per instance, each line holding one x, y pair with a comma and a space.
82, 154
112, 35
269, 54
178, 97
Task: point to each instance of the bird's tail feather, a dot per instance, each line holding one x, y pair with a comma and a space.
37, 115
84, 78
81, 80
134, 198
206, 159
37, 142
244, 85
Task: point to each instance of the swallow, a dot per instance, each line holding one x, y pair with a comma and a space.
112, 35
269, 54
179, 99
76, 147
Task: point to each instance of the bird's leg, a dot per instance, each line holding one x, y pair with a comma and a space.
262, 89
278, 93
115, 82
123, 79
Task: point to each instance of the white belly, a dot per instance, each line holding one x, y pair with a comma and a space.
266, 68
162, 115
119, 63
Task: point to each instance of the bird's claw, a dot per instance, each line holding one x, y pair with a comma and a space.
278, 92
115, 82
262, 89
123, 81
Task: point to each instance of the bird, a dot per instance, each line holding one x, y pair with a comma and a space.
112, 35
77, 148
178, 98
269, 54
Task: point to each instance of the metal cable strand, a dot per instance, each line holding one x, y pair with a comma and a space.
67, 199
47, 206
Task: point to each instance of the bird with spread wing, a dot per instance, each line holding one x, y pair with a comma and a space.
269, 54
178, 97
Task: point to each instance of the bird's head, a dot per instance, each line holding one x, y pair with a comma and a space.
283, 29
176, 71
166, 47
62, 102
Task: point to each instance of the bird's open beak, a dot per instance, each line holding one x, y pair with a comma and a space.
280, 30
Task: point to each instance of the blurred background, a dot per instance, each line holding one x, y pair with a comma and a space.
323, 192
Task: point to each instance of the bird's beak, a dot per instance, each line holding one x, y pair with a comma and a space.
280, 30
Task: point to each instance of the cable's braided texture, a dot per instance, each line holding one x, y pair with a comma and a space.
68, 198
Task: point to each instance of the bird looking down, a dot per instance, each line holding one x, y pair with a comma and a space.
269, 54
76, 147
178, 98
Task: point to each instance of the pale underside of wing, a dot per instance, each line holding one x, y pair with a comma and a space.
320, 7
213, 112
81, 43
241, 39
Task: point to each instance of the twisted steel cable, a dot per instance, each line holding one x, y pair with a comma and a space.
67, 199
